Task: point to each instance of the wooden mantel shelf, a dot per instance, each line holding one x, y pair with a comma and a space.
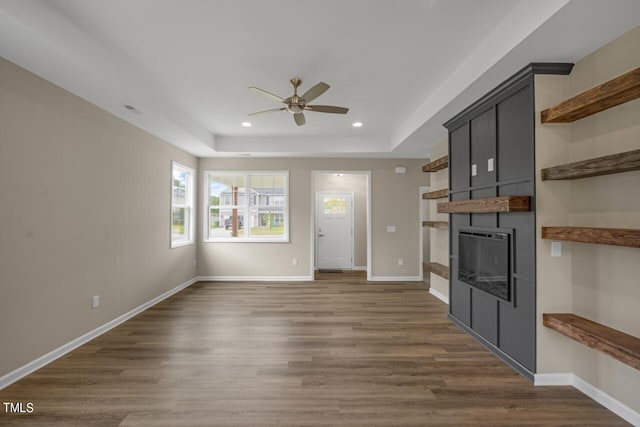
617, 91
615, 163
438, 194
491, 204
437, 268
436, 165
624, 347
443, 225
604, 236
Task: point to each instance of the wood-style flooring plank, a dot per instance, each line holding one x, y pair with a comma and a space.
339, 351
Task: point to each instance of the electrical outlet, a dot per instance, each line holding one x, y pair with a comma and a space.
400, 261
556, 249
294, 261
490, 165
95, 301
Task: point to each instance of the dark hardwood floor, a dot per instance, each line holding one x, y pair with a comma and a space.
337, 351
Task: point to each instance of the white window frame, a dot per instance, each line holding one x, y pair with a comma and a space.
245, 208
189, 205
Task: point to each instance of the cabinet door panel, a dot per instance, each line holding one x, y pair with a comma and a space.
484, 315
483, 148
515, 136
459, 158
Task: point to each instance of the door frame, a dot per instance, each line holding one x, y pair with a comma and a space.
312, 231
424, 215
353, 228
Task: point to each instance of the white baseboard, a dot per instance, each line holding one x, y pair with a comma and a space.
442, 297
255, 278
612, 404
395, 279
360, 268
34, 365
553, 379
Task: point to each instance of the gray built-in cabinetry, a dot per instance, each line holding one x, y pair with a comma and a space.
496, 134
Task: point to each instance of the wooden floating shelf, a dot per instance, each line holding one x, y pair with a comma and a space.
439, 194
443, 225
437, 268
604, 236
615, 163
491, 204
624, 347
436, 165
617, 91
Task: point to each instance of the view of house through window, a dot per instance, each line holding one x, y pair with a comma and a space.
247, 206
181, 205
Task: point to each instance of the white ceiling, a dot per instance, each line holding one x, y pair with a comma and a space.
402, 67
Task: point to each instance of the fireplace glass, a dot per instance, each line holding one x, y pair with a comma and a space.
484, 262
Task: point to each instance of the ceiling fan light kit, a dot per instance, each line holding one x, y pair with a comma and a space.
296, 104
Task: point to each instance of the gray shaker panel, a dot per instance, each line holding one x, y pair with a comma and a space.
459, 159
517, 329
515, 135
484, 315
483, 148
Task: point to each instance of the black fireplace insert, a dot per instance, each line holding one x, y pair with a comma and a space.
484, 261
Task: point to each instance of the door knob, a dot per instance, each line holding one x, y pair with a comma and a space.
320, 235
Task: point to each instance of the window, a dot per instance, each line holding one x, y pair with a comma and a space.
247, 207
182, 197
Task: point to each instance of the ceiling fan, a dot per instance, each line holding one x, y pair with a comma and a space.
296, 104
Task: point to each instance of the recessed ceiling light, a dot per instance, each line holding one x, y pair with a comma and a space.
357, 124
246, 124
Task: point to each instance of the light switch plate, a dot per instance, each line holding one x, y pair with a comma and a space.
474, 170
490, 165
556, 248
391, 228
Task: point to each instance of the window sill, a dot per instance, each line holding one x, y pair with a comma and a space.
247, 240
180, 244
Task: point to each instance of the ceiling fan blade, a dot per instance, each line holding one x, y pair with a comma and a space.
315, 91
327, 109
273, 110
299, 118
267, 94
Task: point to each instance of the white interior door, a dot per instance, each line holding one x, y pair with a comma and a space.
334, 230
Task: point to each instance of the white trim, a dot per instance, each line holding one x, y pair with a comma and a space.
255, 278
369, 242
612, 404
552, 379
44, 360
367, 173
191, 202
395, 279
442, 297
421, 217
360, 268
247, 205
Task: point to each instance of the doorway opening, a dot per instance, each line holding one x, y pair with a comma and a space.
341, 222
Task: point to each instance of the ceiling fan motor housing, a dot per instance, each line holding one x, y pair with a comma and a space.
295, 104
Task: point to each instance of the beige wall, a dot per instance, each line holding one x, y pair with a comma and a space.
356, 184
394, 201
595, 281
439, 238
85, 211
